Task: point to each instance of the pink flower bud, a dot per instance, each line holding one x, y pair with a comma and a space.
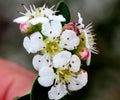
71, 26
84, 54
24, 27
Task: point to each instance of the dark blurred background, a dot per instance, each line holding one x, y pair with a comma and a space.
104, 71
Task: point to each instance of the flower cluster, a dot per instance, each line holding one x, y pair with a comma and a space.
59, 49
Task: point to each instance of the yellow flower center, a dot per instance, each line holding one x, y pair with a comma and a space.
64, 75
52, 47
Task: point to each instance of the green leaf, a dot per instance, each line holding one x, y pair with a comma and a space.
25, 97
63, 9
65, 98
39, 92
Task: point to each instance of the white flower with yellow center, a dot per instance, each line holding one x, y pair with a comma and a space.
35, 15
51, 40
63, 71
89, 37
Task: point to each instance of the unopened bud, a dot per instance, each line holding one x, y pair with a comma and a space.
84, 54
71, 26
24, 27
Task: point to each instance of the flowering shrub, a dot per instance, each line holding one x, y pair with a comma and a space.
59, 46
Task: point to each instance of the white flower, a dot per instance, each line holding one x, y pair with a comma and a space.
38, 15
55, 40
89, 37
67, 74
61, 89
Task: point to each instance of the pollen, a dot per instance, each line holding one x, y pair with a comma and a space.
52, 47
64, 75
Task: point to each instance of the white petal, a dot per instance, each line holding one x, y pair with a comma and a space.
69, 40
58, 18
52, 29
46, 11
46, 81
79, 82
41, 61
47, 76
37, 20
89, 59
20, 20
80, 20
57, 92
75, 63
36, 61
34, 44
27, 44
61, 59
46, 71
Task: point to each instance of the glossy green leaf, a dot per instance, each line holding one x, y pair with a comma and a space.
63, 9
39, 92
65, 98
25, 97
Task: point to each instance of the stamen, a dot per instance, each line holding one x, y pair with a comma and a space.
65, 44
45, 16
89, 26
21, 13
44, 6
58, 93
68, 83
52, 7
34, 7
53, 38
57, 11
77, 24
18, 12
31, 9
53, 14
47, 60
82, 39
39, 37
73, 62
74, 47
22, 4
50, 32
67, 38
25, 7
